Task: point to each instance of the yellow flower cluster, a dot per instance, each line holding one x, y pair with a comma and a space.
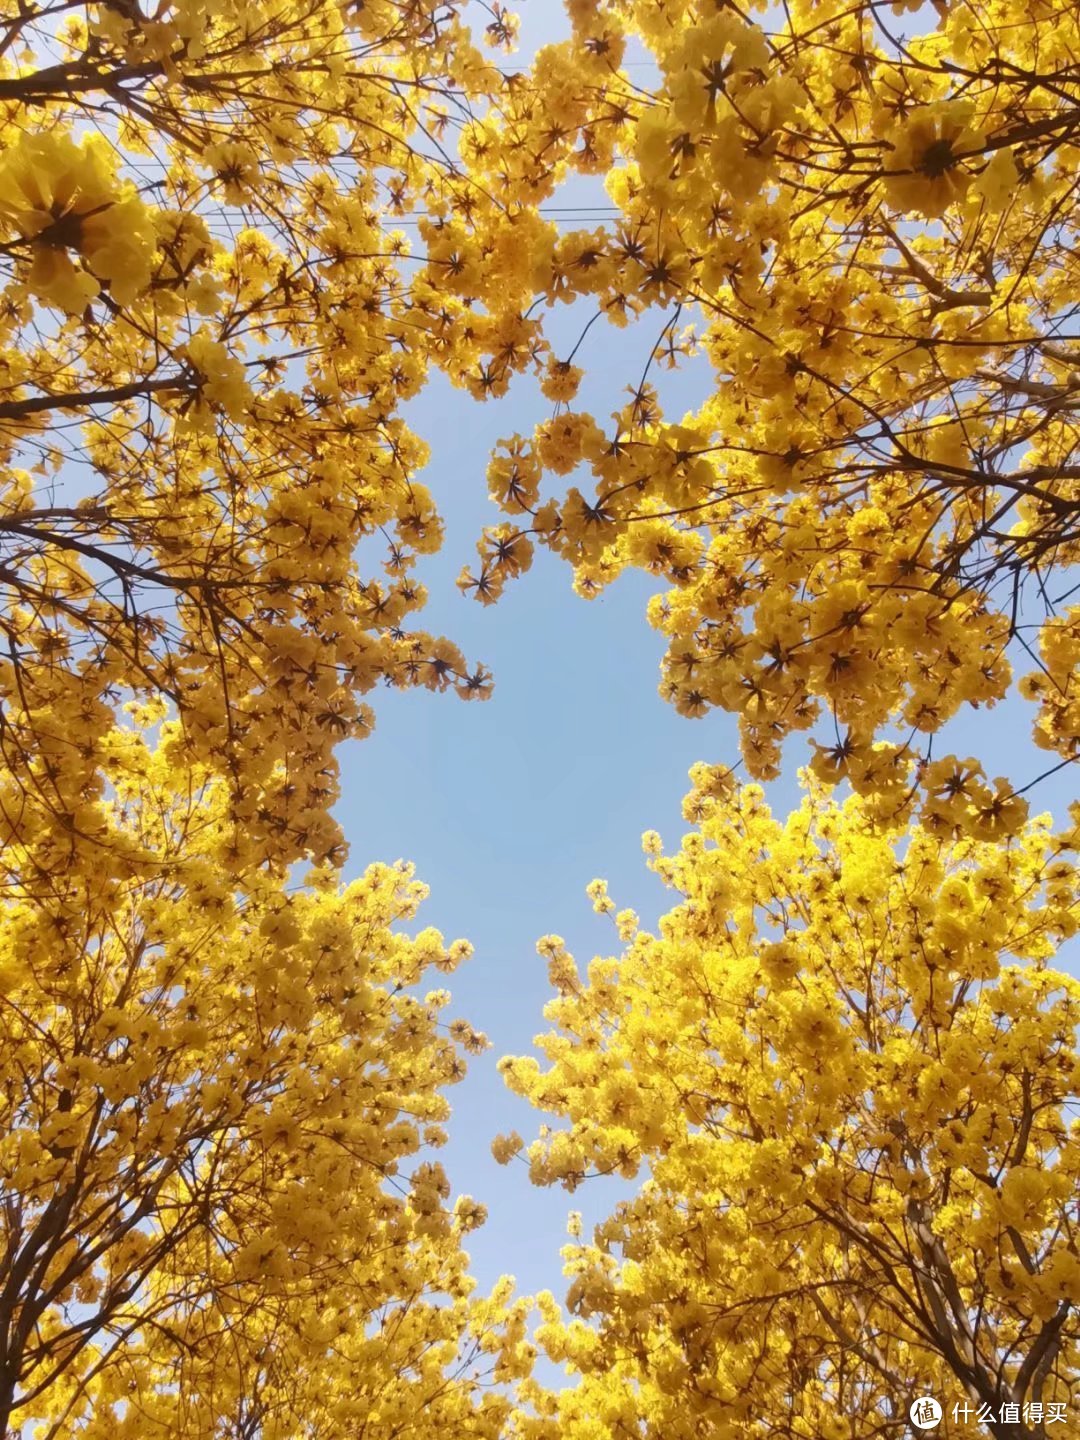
59, 200
876, 244
847, 1073
236, 239
210, 318
220, 1093
214, 1112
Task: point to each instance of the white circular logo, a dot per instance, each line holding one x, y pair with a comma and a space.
925, 1412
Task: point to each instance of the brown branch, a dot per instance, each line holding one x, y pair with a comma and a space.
19, 409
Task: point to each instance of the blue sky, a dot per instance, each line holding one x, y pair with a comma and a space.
510, 808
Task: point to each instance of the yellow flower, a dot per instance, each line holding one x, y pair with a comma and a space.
561, 380
924, 171
998, 182
236, 165
63, 197
505, 1147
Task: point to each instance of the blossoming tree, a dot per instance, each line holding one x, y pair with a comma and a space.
220, 1211
849, 1072
872, 236
210, 317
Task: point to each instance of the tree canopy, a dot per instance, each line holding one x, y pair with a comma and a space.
237, 238
219, 1209
221, 1214
848, 1070
211, 318
870, 241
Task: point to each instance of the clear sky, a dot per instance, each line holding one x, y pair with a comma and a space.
510, 808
